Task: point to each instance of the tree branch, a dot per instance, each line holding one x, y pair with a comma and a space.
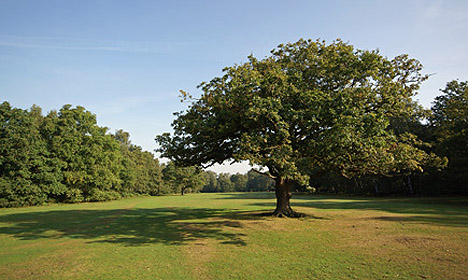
264, 173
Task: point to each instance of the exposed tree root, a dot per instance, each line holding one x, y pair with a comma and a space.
287, 213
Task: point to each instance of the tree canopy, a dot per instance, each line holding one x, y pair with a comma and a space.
183, 179
449, 123
66, 157
308, 106
450, 118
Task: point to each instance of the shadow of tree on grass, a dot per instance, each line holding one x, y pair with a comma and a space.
131, 227
446, 211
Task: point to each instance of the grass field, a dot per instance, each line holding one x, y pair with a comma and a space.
224, 236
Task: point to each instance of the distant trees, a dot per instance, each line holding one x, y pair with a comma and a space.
141, 172
89, 159
66, 157
449, 127
449, 119
250, 182
183, 179
259, 183
239, 182
211, 182
27, 173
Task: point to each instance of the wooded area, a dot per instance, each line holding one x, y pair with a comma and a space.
65, 156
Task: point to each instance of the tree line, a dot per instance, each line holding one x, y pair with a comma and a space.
66, 157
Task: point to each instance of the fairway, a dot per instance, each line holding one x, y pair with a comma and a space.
225, 236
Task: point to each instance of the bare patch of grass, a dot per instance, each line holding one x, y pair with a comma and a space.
63, 260
437, 252
199, 253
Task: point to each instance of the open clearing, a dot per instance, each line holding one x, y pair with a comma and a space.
225, 236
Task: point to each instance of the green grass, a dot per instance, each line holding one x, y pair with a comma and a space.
225, 236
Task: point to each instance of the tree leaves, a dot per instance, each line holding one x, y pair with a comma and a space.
309, 105
65, 156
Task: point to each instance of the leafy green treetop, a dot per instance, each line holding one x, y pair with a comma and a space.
449, 123
450, 118
183, 179
310, 105
90, 158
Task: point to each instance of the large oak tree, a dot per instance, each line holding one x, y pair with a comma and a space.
308, 106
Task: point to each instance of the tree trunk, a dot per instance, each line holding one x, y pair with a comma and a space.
182, 190
376, 186
283, 195
410, 185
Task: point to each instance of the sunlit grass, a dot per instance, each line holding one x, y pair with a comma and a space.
226, 236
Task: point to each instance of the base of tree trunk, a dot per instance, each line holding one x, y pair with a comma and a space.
283, 196
287, 213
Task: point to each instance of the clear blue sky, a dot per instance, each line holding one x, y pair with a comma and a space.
126, 60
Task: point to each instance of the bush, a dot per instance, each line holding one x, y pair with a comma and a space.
74, 196
100, 195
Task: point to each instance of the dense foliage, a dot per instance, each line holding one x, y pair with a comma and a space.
66, 157
309, 107
249, 182
183, 179
446, 129
449, 126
